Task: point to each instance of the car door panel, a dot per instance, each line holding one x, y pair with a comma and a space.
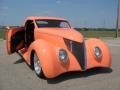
15, 39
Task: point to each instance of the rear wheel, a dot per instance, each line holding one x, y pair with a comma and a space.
37, 66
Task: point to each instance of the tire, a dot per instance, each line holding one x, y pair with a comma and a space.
37, 66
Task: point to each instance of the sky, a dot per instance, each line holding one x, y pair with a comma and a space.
80, 13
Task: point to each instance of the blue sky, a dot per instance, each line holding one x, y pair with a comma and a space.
80, 13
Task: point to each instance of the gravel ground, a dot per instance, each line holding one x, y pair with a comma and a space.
16, 75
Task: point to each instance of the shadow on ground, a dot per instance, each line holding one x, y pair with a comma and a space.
72, 75
19, 61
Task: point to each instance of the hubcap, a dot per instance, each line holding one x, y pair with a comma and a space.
37, 65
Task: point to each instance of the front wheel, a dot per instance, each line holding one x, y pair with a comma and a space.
37, 66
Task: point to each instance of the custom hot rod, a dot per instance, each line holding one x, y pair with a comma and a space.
52, 47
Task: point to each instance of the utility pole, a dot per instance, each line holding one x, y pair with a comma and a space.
117, 21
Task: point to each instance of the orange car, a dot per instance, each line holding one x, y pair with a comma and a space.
52, 47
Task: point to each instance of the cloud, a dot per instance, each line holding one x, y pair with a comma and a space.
3, 14
4, 7
47, 12
58, 1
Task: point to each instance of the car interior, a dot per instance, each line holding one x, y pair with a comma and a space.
29, 32
25, 35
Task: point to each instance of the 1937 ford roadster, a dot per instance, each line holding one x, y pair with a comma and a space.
52, 47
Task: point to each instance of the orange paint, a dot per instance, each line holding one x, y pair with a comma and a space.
48, 41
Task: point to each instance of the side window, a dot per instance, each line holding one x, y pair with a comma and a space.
42, 23
64, 25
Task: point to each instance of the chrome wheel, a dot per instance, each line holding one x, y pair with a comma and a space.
37, 66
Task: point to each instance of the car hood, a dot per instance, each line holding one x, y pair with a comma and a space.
70, 34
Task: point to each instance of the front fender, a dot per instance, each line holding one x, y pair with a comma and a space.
92, 61
47, 54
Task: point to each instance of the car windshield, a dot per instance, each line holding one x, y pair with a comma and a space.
52, 23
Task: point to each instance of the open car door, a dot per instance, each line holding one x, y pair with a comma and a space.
15, 39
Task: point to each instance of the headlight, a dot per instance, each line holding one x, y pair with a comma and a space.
63, 55
98, 52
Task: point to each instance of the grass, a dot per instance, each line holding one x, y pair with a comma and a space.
86, 33
99, 34
2, 33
